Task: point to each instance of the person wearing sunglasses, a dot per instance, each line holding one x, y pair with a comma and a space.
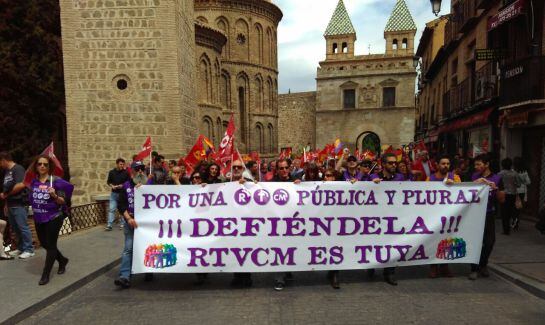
196, 178
366, 168
240, 279
388, 174
331, 175
125, 207
283, 175
48, 197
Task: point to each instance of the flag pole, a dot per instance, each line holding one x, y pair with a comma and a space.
232, 156
150, 163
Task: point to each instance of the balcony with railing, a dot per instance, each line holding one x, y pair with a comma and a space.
486, 82
522, 81
466, 15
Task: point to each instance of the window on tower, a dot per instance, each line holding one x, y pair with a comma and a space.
394, 44
335, 48
345, 47
349, 98
389, 96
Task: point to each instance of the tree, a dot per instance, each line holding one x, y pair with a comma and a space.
31, 78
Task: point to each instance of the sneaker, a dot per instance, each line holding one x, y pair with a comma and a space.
108, 228
279, 286
14, 253
26, 255
4, 256
120, 226
473, 275
123, 283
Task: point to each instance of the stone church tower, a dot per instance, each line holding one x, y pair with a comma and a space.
244, 79
129, 70
365, 100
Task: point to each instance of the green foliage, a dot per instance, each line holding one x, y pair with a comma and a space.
31, 76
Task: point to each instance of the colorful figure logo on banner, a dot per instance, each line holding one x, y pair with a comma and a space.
451, 249
159, 256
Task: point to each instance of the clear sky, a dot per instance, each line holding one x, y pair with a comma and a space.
301, 44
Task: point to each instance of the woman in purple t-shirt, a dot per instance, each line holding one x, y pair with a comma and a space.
48, 196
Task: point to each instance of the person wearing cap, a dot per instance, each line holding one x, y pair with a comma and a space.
126, 209
116, 178
366, 168
351, 172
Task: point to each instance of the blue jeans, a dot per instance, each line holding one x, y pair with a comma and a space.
18, 219
113, 207
126, 256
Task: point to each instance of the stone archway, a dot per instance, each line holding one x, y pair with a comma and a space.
368, 141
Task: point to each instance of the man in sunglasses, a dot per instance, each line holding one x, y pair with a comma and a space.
388, 174
282, 175
125, 207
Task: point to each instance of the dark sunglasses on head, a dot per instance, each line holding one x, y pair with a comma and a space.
352, 160
42, 164
196, 177
283, 168
140, 169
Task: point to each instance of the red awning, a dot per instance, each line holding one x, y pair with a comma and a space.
508, 13
476, 119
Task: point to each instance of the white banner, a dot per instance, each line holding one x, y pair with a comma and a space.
270, 227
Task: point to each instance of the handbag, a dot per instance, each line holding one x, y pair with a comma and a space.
518, 203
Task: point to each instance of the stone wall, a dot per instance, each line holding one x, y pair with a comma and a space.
394, 126
129, 71
297, 120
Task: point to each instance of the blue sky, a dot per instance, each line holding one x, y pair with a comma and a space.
301, 44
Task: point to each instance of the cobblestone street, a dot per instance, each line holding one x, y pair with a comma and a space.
417, 300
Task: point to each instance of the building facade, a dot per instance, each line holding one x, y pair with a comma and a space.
483, 89
166, 69
244, 80
365, 100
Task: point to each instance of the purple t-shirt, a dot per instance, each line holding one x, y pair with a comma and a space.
44, 206
347, 176
496, 179
397, 177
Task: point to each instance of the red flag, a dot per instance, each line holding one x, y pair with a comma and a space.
195, 155
285, 153
50, 152
226, 145
390, 149
254, 155
145, 151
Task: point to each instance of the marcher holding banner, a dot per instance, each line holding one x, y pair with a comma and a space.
48, 197
484, 175
442, 174
126, 209
389, 174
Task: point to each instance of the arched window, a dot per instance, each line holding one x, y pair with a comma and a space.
369, 141
270, 96
335, 48
219, 133
242, 88
223, 24
259, 42
242, 35
271, 138
225, 90
205, 83
270, 47
258, 94
404, 43
345, 47
207, 128
259, 138
394, 44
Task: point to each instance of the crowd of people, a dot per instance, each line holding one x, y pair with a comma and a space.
508, 191
48, 196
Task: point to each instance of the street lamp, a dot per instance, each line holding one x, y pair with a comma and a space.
435, 6
416, 61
